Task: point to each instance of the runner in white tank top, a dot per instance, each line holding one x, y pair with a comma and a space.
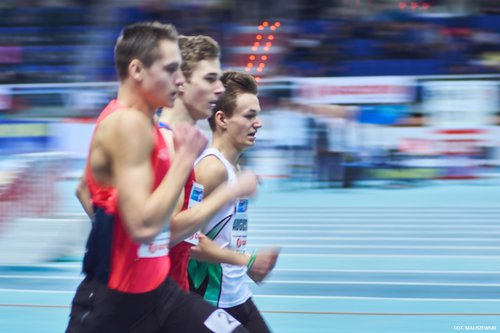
226, 286
234, 125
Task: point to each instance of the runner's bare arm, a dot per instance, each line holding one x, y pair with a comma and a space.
213, 176
189, 221
263, 262
146, 213
209, 251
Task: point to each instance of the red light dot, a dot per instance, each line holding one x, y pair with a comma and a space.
252, 57
258, 37
247, 69
277, 23
425, 6
270, 37
259, 69
250, 64
272, 28
254, 48
269, 44
262, 64
266, 48
261, 27
257, 78
256, 44
265, 23
402, 5
414, 5
264, 57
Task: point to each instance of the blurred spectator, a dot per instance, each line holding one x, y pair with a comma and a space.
65, 40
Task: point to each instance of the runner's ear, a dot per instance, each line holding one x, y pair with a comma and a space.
220, 119
135, 69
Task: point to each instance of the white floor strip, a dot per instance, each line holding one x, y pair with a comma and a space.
326, 270
37, 291
400, 256
495, 300
377, 283
393, 218
285, 230
41, 277
393, 247
440, 239
330, 225
293, 270
46, 265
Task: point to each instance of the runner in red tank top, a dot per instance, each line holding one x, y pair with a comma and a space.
151, 261
132, 189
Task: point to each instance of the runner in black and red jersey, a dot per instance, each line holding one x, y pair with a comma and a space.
134, 187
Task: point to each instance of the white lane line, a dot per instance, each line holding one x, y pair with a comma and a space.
326, 270
398, 247
361, 232
416, 209
312, 270
374, 225
441, 239
54, 265
41, 277
373, 214
488, 300
381, 283
399, 256
462, 218
300, 270
37, 291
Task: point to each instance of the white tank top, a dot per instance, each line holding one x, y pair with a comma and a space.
223, 285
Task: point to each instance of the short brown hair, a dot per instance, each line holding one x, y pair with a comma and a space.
140, 41
236, 83
195, 49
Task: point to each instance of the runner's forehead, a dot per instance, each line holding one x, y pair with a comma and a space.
169, 52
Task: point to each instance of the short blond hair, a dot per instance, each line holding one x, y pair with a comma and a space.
195, 49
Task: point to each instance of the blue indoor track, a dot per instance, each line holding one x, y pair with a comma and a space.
424, 258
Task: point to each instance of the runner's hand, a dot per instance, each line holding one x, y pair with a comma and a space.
245, 185
263, 264
207, 250
189, 142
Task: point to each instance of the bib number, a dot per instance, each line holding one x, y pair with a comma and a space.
240, 227
195, 198
156, 248
221, 322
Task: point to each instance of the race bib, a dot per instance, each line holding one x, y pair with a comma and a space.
156, 248
240, 227
195, 198
221, 322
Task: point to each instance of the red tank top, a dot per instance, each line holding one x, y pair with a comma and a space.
179, 254
133, 268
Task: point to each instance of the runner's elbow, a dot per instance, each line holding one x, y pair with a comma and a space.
143, 233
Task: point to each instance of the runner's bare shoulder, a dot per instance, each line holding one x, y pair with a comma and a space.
210, 172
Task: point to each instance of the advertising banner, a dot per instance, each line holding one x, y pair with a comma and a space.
354, 90
460, 104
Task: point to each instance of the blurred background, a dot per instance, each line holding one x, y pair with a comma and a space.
356, 94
